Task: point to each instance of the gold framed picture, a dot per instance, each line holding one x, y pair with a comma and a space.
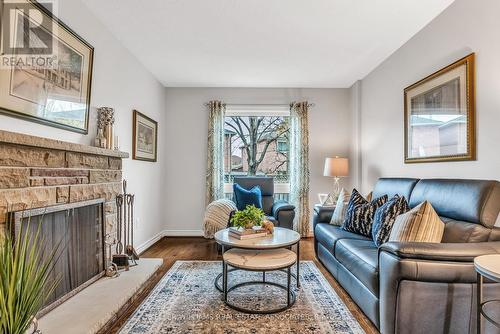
145, 138
440, 115
46, 70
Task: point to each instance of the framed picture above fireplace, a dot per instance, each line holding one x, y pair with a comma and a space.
48, 75
145, 137
440, 115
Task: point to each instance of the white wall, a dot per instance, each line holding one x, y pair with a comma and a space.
121, 82
186, 138
465, 27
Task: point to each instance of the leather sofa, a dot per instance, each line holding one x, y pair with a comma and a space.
412, 287
281, 213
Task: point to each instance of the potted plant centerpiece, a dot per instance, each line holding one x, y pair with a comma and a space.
249, 223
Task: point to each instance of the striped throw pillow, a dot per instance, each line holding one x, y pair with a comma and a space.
420, 224
359, 214
340, 208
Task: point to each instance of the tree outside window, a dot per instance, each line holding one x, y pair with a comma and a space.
256, 145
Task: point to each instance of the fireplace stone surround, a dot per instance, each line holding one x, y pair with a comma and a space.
37, 172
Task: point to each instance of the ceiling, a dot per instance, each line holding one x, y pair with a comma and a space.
263, 43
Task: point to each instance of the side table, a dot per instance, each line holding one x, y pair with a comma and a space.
487, 266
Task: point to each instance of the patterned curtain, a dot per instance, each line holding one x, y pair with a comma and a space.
299, 165
215, 152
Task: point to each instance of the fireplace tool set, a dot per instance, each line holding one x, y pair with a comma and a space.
126, 255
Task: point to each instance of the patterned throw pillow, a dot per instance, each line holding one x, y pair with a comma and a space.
420, 224
359, 215
384, 218
340, 208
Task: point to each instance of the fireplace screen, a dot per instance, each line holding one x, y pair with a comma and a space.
78, 228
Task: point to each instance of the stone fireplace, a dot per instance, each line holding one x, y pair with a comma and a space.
38, 172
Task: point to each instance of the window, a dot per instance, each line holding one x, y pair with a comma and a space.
256, 142
283, 145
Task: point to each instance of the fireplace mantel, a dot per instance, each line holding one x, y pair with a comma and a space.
15, 138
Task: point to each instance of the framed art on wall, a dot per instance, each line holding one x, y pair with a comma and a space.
145, 138
47, 70
440, 115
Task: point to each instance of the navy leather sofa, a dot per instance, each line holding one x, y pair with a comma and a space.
419, 287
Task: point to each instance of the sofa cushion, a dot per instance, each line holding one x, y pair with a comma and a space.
359, 215
384, 218
340, 208
328, 235
474, 201
460, 231
266, 185
360, 257
420, 224
245, 197
394, 186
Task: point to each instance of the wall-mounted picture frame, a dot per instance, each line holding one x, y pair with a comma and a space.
145, 138
54, 87
439, 115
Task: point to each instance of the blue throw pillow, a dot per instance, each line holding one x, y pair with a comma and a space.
246, 197
384, 218
359, 214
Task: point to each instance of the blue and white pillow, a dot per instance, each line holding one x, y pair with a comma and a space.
359, 214
385, 216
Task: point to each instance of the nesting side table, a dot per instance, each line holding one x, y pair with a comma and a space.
260, 261
487, 266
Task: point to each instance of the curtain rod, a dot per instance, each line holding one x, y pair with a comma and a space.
259, 105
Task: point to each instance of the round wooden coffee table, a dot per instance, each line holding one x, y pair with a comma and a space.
261, 261
281, 238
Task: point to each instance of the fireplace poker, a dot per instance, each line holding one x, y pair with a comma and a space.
129, 248
119, 205
125, 195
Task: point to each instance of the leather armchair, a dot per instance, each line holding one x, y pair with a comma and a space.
280, 212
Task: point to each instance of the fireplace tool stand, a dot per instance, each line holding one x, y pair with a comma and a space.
126, 255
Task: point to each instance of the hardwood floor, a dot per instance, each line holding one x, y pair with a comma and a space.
196, 248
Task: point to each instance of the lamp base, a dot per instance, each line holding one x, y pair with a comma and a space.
336, 190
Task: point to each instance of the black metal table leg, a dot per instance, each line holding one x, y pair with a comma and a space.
298, 264
224, 282
264, 276
289, 281
479, 302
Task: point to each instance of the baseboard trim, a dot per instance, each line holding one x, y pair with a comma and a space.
183, 233
167, 233
145, 245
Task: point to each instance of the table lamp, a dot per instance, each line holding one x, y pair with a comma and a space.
336, 167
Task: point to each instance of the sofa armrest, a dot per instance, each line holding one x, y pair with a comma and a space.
281, 206
323, 214
444, 265
284, 213
457, 252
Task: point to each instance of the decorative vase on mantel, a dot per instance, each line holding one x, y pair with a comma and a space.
106, 119
100, 139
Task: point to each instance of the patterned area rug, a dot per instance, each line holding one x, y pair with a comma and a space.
186, 301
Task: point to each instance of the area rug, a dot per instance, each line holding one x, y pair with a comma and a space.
186, 301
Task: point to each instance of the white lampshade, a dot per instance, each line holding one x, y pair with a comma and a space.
336, 167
